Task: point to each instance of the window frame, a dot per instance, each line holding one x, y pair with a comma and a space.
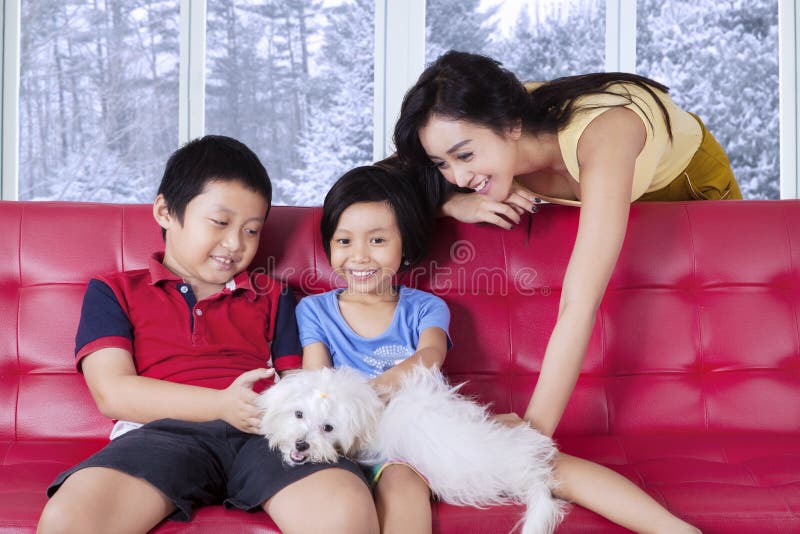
399, 58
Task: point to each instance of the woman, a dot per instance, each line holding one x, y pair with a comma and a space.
598, 141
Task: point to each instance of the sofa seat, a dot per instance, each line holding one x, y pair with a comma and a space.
700, 475
690, 387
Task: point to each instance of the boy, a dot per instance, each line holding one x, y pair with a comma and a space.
178, 348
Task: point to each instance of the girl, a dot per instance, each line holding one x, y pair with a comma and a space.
598, 141
374, 226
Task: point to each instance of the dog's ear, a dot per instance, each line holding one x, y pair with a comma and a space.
275, 401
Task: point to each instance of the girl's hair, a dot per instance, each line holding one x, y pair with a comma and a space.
477, 89
386, 181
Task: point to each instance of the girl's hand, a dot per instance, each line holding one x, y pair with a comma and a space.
383, 389
474, 208
238, 401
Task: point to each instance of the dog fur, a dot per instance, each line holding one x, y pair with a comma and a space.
468, 457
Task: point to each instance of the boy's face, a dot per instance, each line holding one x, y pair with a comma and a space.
218, 238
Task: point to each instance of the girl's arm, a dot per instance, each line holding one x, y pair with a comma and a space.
120, 393
431, 350
607, 154
316, 356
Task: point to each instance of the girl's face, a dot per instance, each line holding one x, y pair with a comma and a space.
472, 156
367, 248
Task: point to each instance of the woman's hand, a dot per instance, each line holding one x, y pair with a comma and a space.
521, 198
509, 419
474, 208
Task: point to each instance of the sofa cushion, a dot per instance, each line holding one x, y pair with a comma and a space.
690, 387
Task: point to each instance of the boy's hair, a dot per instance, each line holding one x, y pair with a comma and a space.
212, 158
383, 182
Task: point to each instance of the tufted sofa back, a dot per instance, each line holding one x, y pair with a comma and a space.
699, 330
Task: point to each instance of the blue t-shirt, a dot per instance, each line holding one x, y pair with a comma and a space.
320, 320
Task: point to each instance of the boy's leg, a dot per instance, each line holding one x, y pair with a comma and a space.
164, 469
308, 498
613, 496
403, 501
331, 501
99, 499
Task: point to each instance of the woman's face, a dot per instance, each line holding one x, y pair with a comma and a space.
472, 156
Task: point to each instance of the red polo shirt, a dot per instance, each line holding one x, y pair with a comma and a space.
155, 316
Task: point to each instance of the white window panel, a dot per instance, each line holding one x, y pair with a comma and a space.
720, 59
98, 113
294, 81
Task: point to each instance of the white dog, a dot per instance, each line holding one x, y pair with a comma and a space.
467, 456
317, 416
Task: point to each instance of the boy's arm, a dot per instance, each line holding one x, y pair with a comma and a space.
286, 351
431, 350
120, 393
316, 356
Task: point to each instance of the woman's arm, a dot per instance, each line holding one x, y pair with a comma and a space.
607, 154
120, 393
431, 350
474, 208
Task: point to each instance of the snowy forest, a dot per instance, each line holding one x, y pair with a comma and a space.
294, 80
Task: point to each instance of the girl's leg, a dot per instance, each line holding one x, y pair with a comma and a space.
403, 500
614, 497
98, 499
332, 500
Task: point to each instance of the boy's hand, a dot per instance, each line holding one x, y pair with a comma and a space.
238, 406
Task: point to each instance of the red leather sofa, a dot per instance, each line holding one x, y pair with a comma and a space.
691, 385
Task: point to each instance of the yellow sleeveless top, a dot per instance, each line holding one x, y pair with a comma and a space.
660, 160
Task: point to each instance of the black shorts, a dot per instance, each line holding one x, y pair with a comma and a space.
201, 464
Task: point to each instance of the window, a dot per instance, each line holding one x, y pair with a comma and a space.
536, 39
109, 88
276, 78
98, 106
720, 60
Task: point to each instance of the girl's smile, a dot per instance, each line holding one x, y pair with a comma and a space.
367, 249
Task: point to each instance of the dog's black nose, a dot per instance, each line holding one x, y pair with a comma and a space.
301, 445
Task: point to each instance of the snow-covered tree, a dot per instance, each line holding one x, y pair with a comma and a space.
720, 60
98, 98
338, 135
568, 39
458, 25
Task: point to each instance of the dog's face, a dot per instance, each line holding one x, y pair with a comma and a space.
317, 416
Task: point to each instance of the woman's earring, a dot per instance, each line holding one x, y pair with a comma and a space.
406, 263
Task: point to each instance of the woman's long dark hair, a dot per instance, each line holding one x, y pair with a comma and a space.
475, 88
551, 105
